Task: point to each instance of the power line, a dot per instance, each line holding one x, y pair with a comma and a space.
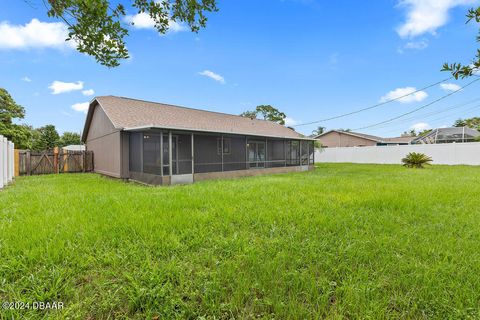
371, 107
420, 108
427, 115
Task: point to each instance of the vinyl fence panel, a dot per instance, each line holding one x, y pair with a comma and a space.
1, 162
10, 161
5, 161
447, 153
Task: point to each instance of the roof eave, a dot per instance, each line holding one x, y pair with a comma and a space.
152, 126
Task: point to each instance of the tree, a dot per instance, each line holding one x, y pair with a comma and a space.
69, 138
473, 123
411, 133
424, 132
19, 134
96, 26
46, 138
460, 70
249, 114
319, 130
267, 112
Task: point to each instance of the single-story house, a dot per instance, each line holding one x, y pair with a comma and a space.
340, 138
164, 144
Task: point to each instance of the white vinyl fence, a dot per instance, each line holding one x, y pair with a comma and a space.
447, 153
6, 161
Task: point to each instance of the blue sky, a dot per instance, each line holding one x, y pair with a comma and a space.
310, 59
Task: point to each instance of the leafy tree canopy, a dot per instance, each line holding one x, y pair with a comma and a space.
9, 109
319, 130
69, 138
46, 138
473, 123
460, 70
97, 28
267, 112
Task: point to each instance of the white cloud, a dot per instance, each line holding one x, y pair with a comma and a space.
450, 86
406, 93
35, 34
290, 122
81, 107
89, 92
416, 45
62, 87
144, 21
420, 126
212, 75
26, 79
426, 16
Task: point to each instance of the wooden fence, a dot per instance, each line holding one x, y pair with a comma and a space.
52, 161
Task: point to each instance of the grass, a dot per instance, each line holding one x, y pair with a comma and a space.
346, 241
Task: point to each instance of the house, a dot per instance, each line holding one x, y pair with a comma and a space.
448, 135
74, 147
340, 138
164, 144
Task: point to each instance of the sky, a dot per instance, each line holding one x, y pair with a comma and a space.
311, 59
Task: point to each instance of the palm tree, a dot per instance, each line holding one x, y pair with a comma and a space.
319, 130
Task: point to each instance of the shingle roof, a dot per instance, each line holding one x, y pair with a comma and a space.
373, 138
128, 114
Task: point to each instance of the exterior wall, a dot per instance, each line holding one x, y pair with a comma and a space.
248, 173
449, 154
105, 142
337, 139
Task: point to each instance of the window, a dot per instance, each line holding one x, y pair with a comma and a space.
227, 144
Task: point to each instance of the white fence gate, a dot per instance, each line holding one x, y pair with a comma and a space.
447, 153
6, 161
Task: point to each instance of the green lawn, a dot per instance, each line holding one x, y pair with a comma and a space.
346, 241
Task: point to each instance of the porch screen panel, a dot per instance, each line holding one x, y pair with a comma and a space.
135, 150
207, 155
275, 153
151, 153
183, 156
234, 156
311, 151
293, 153
304, 152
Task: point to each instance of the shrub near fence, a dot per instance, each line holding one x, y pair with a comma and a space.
54, 161
6, 161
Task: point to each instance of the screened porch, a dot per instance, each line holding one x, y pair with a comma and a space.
193, 153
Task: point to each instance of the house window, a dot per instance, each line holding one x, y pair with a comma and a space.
226, 146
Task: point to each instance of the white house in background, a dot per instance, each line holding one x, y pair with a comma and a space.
74, 147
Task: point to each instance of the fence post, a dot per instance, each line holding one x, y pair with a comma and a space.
55, 160
10, 161
16, 162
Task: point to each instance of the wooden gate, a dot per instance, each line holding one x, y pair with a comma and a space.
54, 161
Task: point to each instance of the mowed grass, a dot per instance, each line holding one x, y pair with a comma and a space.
345, 241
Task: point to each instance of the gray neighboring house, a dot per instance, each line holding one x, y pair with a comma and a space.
164, 144
340, 138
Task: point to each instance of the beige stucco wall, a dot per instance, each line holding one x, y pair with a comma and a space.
338, 139
105, 142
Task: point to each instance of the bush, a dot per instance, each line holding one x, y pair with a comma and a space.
416, 160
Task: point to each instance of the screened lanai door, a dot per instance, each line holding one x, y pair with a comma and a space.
256, 154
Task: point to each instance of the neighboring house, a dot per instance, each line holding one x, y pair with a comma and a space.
448, 135
339, 138
160, 144
74, 147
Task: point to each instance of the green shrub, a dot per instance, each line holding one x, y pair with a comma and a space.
416, 160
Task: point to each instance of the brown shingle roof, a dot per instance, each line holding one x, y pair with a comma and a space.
128, 114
